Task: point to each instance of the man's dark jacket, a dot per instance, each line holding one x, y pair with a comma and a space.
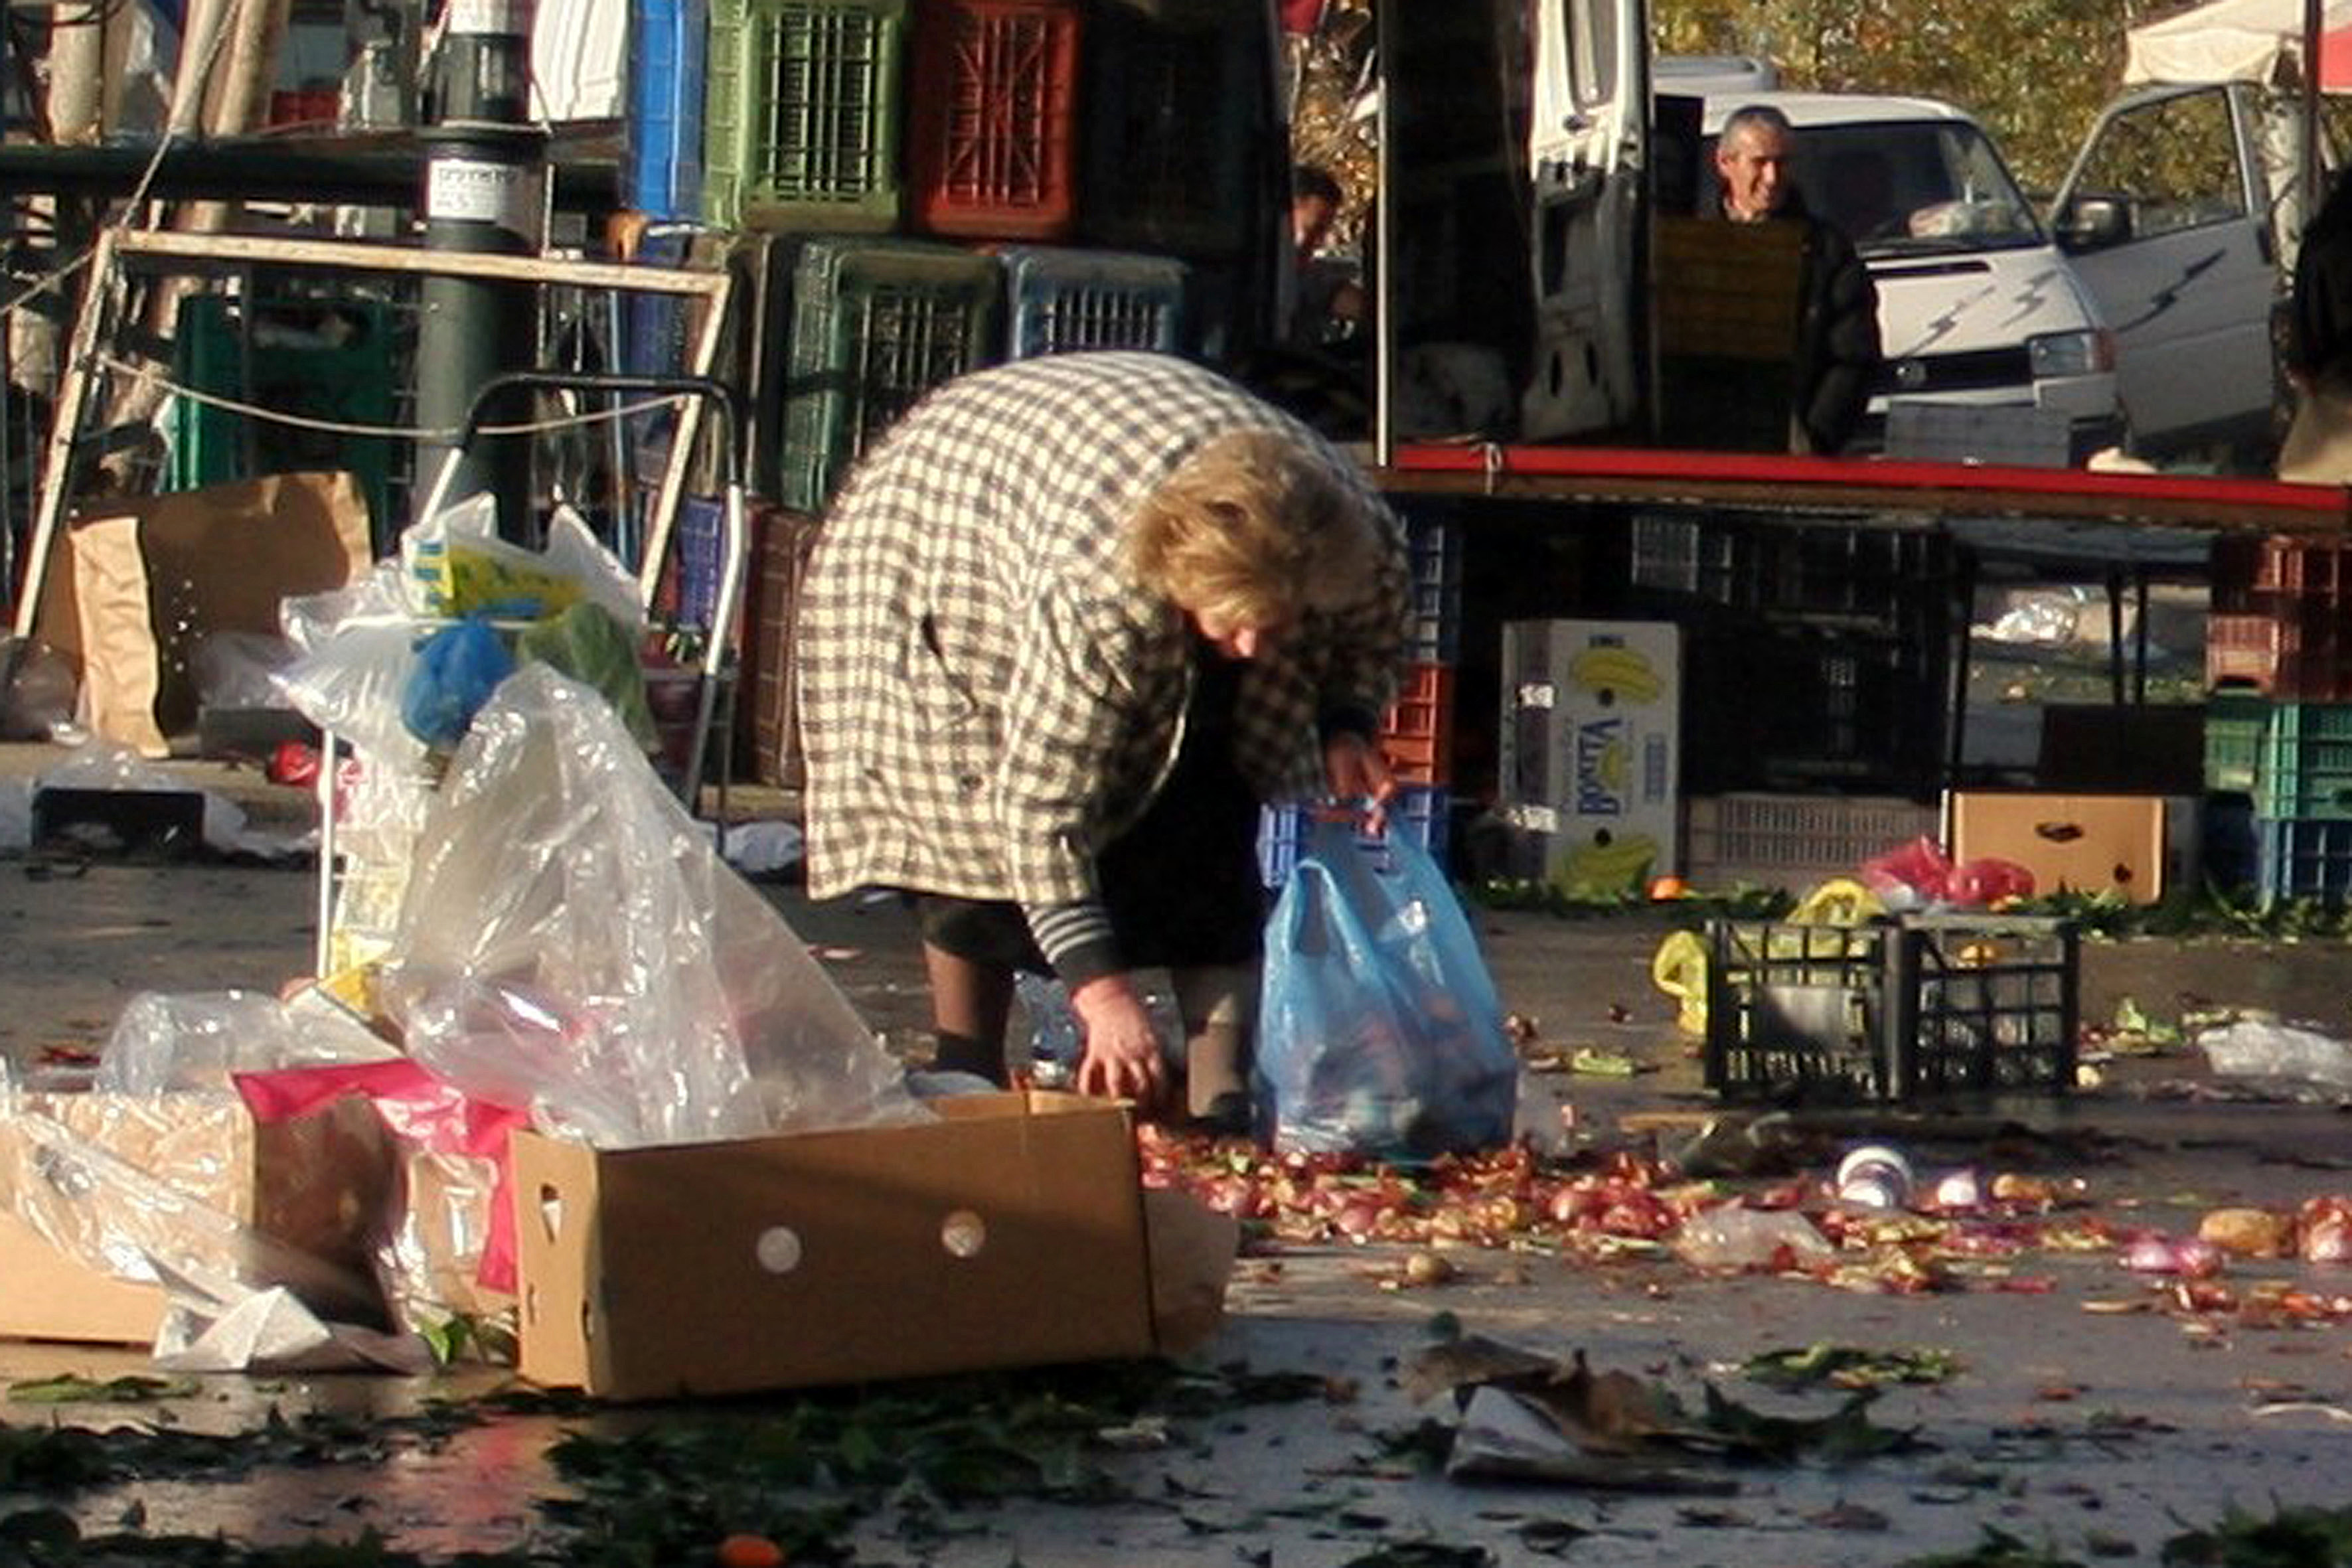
1837, 331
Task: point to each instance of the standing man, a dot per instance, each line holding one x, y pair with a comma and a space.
1837, 319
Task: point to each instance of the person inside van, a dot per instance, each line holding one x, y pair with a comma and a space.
1837, 325
2318, 446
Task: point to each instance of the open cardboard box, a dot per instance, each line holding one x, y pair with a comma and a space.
319, 1184
1008, 1232
2138, 847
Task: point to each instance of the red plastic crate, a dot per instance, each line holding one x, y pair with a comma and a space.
2280, 573
992, 130
2288, 656
1417, 732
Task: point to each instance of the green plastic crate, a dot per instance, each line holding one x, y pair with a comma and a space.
313, 359
802, 120
2304, 771
876, 324
2234, 722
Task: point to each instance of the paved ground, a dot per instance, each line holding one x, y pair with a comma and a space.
2093, 1415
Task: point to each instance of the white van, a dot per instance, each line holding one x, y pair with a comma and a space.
1977, 308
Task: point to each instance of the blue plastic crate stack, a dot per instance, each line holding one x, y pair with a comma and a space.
1819, 654
933, 185
2278, 718
1417, 732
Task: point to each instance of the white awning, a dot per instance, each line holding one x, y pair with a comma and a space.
2239, 40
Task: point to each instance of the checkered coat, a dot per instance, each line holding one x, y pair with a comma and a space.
985, 697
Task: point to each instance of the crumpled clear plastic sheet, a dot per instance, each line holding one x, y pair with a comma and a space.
2268, 1048
568, 921
356, 655
450, 1247
233, 669
153, 1188
163, 1042
103, 765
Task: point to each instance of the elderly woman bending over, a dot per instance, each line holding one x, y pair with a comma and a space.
1068, 625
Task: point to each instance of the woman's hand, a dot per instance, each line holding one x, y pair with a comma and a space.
1358, 769
1122, 1059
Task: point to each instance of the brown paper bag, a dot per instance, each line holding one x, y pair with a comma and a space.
141, 582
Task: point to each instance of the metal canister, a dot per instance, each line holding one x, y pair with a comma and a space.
1874, 1176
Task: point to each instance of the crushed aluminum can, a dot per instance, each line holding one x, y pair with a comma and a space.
1874, 1176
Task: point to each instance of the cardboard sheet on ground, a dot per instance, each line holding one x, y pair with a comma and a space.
141, 583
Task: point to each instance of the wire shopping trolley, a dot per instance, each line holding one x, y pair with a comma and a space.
699, 624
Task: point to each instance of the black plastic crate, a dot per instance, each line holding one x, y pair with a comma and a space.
1862, 576
1892, 1011
1775, 709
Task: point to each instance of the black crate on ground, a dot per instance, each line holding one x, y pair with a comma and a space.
1891, 1011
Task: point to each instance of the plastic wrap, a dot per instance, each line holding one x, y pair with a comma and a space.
163, 1043
458, 666
450, 1245
554, 869
453, 564
103, 764
1380, 1031
234, 670
146, 1188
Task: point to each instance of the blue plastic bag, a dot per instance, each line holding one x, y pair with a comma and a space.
456, 670
1379, 1029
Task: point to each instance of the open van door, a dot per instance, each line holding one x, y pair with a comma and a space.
2166, 218
1587, 155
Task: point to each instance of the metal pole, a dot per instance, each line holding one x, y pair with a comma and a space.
2313, 34
484, 182
1384, 32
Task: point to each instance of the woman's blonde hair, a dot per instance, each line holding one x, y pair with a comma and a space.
1252, 529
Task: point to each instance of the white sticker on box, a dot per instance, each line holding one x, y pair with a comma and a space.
473, 190
1537, 694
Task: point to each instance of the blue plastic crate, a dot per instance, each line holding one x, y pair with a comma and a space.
1434, 546
661, 164
1062, 299
2302, 858
1419, 813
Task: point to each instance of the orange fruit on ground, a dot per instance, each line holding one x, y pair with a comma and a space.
1663, 888
744, 1549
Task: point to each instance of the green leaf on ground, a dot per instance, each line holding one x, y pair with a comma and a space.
1997, 1549
2289, 1538
72, 1387
1850, 1366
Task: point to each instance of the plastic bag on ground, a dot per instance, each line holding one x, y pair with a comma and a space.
103, 764
554, 867
1380, 1031
1730, 1235
2258, 1048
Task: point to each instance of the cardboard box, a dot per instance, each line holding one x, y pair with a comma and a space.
1009, 1232
1591, 750
320, 1184
2137, 846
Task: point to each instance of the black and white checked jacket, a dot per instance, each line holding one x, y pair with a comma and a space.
985, 699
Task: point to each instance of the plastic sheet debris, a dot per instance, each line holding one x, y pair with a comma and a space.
761, 848
1732, 1236
562, 909
103, 765
2267, 1048
165, 1042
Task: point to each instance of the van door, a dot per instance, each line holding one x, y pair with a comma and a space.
2166, 216
1587, 150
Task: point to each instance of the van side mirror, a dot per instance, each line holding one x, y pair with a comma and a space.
2093, 223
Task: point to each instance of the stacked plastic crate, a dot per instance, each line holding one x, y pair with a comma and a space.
1820, 651
2278, 721
1417, 732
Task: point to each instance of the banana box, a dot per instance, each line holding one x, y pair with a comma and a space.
1590, 752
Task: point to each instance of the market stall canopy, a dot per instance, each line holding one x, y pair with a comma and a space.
2240, 40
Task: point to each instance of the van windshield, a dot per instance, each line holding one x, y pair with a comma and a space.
1913, 187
